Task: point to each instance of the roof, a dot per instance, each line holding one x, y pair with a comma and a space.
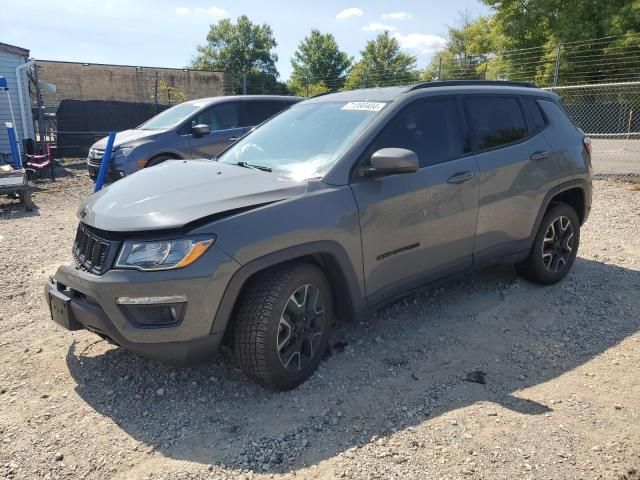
13, 49
226, 98
388, 94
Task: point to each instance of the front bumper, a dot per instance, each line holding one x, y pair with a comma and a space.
80, 300
113, 174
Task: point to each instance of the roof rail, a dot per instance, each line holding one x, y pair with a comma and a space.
459, 83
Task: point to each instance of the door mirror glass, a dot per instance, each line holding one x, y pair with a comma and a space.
390, 161
200, 129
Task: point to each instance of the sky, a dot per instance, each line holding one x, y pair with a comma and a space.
165, 33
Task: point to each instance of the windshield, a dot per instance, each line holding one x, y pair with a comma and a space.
305, 140
170, 117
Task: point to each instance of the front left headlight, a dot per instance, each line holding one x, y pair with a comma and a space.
121, 151
162, 254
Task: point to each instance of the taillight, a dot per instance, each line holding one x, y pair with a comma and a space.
586, 141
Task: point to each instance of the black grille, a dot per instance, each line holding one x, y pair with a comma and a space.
91, 252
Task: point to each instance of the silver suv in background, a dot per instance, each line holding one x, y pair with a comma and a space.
194, 129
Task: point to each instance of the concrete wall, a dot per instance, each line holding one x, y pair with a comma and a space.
8, 63
78, 81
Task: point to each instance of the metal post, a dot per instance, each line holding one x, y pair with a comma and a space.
40, 105
306, 86
104, 166
629, 123
13, 120
17, 161
155, 92
556, 71
244, 84
440, 69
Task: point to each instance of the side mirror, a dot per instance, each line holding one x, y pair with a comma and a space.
390, 161
200, 130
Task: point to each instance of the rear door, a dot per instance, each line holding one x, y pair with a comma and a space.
224, 124
514, 159
419, 226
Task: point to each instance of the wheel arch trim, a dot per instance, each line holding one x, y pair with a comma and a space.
555, 191
332, 259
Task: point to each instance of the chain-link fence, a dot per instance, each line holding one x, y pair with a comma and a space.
610, 114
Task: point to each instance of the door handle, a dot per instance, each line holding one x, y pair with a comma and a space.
461, 177
539, 155
233, 139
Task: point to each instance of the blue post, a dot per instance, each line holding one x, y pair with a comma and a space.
104, 166
17, 161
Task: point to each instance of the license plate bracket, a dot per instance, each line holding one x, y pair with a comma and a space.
60, 308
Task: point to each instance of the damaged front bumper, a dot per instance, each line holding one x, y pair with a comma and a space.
165, 315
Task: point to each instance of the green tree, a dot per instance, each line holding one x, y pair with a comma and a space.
467, 51
383, 63
542, 25
319, 63
240, 49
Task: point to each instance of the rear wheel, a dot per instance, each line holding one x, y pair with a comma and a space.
554, 248
282, 325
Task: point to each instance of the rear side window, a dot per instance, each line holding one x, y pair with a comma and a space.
219, 117
495, 121
430, 128
535, 113
256, 112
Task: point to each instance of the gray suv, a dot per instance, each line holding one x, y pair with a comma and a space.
331, 209
194, 129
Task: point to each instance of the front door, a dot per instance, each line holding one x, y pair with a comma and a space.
224, 125
419, 226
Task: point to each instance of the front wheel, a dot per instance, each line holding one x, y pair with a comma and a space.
282, 325
157, 160
554, 248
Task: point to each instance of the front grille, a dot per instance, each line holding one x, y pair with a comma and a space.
95, 157
91, 252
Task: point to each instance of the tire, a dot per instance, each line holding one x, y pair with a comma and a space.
555, 247
290, 307
158, 160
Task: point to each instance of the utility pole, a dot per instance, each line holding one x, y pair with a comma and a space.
440, 69
244, 84
40, 105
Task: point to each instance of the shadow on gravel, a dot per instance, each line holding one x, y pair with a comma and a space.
407, 364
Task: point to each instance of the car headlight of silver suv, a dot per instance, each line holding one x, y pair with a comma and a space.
162, 254
121, 151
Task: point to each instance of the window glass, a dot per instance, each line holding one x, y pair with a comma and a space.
535, 114
429, 128
169, 117
256, 112
306, 140
496, 121
219, 117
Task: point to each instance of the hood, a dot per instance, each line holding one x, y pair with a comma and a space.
127, 136
177, 192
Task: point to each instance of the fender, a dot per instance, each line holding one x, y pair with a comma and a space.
579, 183
333, 258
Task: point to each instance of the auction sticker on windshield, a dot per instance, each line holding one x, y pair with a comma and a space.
366, 106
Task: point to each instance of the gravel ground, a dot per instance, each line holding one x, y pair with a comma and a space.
488, 377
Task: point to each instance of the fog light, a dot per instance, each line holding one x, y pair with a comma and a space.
154, 311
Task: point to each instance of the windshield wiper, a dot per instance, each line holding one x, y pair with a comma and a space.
255, 167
